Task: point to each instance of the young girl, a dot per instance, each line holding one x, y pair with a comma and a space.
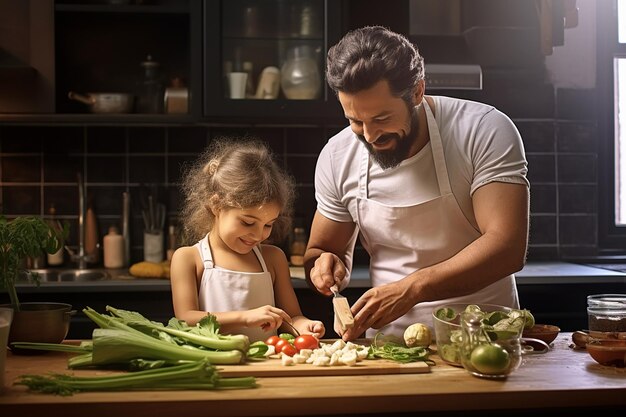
235, 197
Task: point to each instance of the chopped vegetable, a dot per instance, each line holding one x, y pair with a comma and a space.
399, 353
191, 376
258, 350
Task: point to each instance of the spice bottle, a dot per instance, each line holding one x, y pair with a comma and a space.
55, 259
298, 247
172, 244
113, 249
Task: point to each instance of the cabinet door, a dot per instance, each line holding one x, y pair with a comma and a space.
266, 58
26, 57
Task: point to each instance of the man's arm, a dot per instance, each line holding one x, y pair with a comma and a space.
333, 240
502, 212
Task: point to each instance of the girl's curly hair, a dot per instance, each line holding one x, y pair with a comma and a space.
234, 173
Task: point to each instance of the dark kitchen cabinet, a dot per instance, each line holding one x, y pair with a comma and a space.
279, 48
98, 46
108, 48
101, 46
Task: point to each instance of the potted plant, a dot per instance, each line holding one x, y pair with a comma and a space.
21, 238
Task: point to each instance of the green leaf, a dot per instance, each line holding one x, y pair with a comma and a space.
21, 238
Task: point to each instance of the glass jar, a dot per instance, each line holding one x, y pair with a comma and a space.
300, 75
298, 247
150, 88
607, 312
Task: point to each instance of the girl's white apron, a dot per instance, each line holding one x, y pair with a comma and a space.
226, 290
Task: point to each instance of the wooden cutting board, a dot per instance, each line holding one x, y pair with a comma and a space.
274, 368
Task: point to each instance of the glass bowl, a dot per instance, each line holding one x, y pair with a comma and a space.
448, 330
490, 350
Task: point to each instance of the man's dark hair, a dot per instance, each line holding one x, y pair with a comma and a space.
365, 56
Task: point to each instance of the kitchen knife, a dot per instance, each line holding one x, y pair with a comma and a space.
343, 314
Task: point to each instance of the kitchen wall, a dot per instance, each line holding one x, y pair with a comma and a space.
38, 165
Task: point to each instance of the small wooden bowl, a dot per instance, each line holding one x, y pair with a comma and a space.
545, 332
608, 352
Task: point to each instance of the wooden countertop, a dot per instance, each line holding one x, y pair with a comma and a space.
560, 379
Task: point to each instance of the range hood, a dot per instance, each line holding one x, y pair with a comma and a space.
435, 26
453, 77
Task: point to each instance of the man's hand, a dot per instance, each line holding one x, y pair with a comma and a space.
327, 271
380, 306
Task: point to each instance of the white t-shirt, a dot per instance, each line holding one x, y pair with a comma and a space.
480, 144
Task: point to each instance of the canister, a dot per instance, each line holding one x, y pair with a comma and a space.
607, 312
176, 97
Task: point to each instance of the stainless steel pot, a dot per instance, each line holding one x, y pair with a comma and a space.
105, 102
40, 322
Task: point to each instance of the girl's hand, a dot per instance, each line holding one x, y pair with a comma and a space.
314, 327
266, 317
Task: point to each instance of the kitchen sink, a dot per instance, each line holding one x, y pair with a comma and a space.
67, 275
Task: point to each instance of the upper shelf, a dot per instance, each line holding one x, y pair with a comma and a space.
122, 8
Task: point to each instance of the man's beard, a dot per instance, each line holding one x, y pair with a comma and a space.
392, 158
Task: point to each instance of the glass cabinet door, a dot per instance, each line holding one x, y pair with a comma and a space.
267, 57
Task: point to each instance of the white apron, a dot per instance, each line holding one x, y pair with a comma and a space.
226, 290
401, 240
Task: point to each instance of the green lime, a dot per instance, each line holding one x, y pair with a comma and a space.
490, 359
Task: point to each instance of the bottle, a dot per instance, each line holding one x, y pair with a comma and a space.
150, 89
298, 247
172, 244
91, 236
55, 259
113, 249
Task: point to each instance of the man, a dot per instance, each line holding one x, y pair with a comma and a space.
435, 187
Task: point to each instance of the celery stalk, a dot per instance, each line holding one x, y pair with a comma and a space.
116, 346
206, 333
194, 375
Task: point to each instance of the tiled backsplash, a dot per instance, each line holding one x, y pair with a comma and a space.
38, 166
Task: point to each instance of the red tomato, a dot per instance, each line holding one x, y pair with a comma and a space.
272, 340
306, 341
281, 344
289, 349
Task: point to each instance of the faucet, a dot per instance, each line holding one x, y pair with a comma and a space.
81, 257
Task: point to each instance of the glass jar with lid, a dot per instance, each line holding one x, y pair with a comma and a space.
607, 312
